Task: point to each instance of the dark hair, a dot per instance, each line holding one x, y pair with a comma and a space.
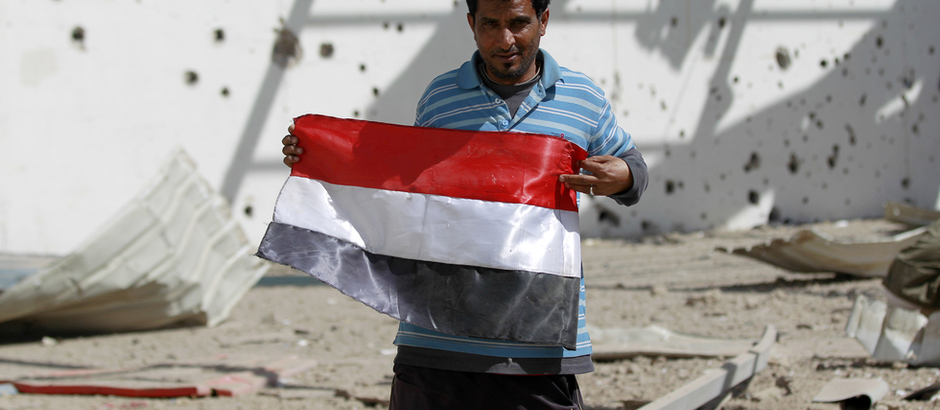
539, 5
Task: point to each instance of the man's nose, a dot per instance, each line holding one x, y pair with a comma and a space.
506, 39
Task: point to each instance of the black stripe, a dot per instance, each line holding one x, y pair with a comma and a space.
512, 305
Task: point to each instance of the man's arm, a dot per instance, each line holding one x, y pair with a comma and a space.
624, 178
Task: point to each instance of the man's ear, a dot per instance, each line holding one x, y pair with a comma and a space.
543, 22
470, 21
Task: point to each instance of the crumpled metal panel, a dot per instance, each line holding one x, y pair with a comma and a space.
174, 255
814, 251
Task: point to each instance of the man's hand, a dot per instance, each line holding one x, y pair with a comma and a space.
610, 175
291, 151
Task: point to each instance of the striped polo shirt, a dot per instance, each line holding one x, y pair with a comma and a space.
564, 103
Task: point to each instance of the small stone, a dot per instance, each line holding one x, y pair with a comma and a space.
48, 341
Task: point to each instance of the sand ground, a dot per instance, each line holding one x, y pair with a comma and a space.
676, 281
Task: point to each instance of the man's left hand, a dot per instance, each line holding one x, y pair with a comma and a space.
609, 175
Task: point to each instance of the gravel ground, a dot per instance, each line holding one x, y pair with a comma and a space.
675, 281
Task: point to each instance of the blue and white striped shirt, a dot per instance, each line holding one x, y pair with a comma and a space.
563, 103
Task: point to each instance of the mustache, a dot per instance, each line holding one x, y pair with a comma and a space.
512, 49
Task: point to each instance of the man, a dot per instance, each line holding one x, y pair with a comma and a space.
511, 85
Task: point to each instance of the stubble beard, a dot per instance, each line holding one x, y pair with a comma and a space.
508, 73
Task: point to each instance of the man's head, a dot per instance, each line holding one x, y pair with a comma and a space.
538, 5
507, 33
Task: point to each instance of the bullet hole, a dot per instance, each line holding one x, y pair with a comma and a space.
848, 202
608, 217
362, 67
667, 152
721, 176
823, 63
780, 84
707, 188
78, 38
249, 211
851, 131
819, 124
692, 154
191, 77
375, 91
356, 113
326, 50
400, 27
877, 174
721, 22
674, 21
861, 100
786, 142
828, 98
646, 226
753, 197
78, 34
385, 25
735, 80
774, 215
845, 72
794, 164
906, 183
225, 91
805, 200
834, 157
662, 104
704, 216
930, 50
783, 58
879, 41
825, 186
836, 60
670, 187
219, 35
287, 49
752, 163
681, 133
915, 129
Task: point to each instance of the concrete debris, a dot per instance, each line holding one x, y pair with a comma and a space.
853, 393
814, 251
909, 215
895, 333
165, 380
8, 389
616, 344
714, 386
173, 256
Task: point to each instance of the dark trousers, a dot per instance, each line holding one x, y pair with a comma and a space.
420, 388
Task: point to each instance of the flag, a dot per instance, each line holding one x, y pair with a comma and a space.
468, 233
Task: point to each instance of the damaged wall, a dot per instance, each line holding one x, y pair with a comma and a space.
747, 111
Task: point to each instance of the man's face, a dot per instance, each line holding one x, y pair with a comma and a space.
507, 33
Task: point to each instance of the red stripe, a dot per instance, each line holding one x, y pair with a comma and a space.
491, 166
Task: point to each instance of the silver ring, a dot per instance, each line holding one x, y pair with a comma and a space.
592, 190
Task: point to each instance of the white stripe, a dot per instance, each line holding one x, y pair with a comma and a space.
436, 228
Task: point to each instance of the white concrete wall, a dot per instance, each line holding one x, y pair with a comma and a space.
733, 138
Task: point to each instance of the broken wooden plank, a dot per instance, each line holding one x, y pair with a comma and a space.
720, 381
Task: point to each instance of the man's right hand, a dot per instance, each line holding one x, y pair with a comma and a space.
291, 151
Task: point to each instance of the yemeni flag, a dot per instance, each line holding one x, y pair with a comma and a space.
468, 233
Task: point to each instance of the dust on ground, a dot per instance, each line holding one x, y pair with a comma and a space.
675, 281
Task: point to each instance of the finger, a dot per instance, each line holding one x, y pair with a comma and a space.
290, 140
290, 128
290, 160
